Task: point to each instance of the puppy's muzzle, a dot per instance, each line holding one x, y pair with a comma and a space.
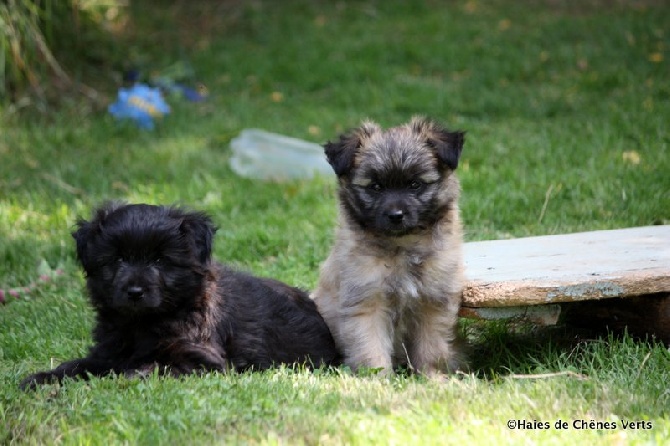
135, 293
395, 216
396, 219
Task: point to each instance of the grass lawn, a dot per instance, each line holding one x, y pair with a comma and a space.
563, 102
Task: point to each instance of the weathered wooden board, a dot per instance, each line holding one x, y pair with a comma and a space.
566, 268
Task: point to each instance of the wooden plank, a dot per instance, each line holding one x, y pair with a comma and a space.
567, 268
535, 314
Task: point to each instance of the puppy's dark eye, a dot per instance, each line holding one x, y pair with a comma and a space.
375, 187
415, 185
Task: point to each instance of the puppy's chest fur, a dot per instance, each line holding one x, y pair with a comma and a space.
401, 273
158, 334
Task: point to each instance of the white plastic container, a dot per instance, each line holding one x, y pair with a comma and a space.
270, 156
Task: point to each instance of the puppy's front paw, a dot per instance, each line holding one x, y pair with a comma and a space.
379, 372
32, 381
381, 367
143, 371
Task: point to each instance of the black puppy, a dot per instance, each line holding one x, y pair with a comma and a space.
161, 302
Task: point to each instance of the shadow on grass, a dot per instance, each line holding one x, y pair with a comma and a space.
503, 348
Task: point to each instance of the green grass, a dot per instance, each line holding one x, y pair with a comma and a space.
558, 99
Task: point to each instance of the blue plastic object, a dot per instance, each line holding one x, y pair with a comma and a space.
140, 103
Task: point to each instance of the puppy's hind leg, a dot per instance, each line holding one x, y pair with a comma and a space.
366, 332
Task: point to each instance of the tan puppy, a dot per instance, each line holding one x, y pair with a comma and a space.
391, 288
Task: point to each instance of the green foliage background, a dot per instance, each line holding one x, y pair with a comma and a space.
565, 105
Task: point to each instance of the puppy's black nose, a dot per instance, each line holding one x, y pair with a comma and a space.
135, 293
395, 216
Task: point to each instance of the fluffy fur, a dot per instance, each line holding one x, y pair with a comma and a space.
161, 302
391, 287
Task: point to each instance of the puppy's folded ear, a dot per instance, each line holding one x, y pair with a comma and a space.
81, 237
447, 145
88, 228
200, 229
341, 153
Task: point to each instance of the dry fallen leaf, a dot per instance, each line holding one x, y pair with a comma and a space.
631, 156
504, 24
656, 57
